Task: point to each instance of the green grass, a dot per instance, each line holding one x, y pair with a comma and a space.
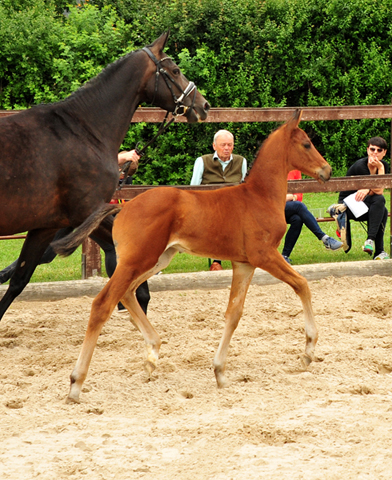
308, 249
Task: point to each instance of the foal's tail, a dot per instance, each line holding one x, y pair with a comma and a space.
67, 245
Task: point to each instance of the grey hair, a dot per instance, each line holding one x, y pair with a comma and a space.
220, 132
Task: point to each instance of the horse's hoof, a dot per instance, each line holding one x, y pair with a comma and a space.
69, 400
149, 367
221, 380
305, 360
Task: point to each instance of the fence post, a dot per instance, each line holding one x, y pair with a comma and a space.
91, 259
390, 191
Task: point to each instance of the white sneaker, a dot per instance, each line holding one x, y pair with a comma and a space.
368, 246
382, 256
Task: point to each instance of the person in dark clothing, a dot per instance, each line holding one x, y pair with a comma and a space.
142, 292
376, 217
297, 215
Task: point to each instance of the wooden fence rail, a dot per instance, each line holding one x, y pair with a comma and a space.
280, 114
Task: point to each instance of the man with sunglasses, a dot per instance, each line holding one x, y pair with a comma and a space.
376, 217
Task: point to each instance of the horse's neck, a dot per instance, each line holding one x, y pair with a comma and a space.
269, 170
105, 106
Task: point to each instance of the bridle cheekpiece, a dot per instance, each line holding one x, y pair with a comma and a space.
180, 108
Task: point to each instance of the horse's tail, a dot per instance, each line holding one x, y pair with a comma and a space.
67, 245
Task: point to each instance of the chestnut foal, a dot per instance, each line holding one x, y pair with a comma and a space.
243, 223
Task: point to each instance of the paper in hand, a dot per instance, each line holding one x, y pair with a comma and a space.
357, 208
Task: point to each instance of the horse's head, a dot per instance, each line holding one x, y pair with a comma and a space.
169, 89
302, 155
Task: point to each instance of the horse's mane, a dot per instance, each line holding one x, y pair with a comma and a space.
99, 79
259, 149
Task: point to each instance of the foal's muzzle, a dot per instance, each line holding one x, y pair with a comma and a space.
324, 173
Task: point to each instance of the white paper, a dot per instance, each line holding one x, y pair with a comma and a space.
358, 208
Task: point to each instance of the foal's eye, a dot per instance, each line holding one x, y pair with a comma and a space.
307, 146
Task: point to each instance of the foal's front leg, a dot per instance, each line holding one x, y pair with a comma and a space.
242, 276
141, 322
275, 264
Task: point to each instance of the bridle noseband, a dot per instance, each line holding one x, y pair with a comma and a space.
180, 108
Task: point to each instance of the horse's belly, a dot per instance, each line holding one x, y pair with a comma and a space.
209, 248
18, 216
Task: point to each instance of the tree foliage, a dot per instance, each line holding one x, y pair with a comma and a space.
240, 53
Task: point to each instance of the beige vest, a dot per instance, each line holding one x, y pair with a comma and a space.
213, 171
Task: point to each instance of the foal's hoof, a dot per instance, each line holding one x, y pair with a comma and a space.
220, 379
70, 400
149, 367
305, 360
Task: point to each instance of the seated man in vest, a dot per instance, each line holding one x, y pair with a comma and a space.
219, 167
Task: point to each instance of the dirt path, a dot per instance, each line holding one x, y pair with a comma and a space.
274, 421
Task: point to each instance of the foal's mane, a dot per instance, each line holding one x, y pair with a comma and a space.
251, 164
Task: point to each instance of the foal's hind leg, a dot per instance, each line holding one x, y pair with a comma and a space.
275, 264
122, 286
242, 276
101, 309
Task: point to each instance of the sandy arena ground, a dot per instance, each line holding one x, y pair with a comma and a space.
273, 421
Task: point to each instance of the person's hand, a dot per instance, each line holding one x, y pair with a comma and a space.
130, 156
361, 194
291, 198
374, 161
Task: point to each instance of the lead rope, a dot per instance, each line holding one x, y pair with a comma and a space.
141, 151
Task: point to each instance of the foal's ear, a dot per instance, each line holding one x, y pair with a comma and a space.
159, 44
295, 119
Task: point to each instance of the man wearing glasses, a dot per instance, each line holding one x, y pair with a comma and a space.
377, 215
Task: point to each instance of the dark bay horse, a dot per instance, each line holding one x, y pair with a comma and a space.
59, 161
243, 223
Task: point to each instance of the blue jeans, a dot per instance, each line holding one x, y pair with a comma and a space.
297, 214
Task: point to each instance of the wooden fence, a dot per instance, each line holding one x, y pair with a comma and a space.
91, 258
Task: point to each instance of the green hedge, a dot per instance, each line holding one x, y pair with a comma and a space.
241, 53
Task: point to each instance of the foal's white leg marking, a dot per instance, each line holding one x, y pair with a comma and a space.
242, 276
98, 316
151, 337
310, 326
80, 370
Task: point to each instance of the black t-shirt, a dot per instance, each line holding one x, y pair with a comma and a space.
360, 167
